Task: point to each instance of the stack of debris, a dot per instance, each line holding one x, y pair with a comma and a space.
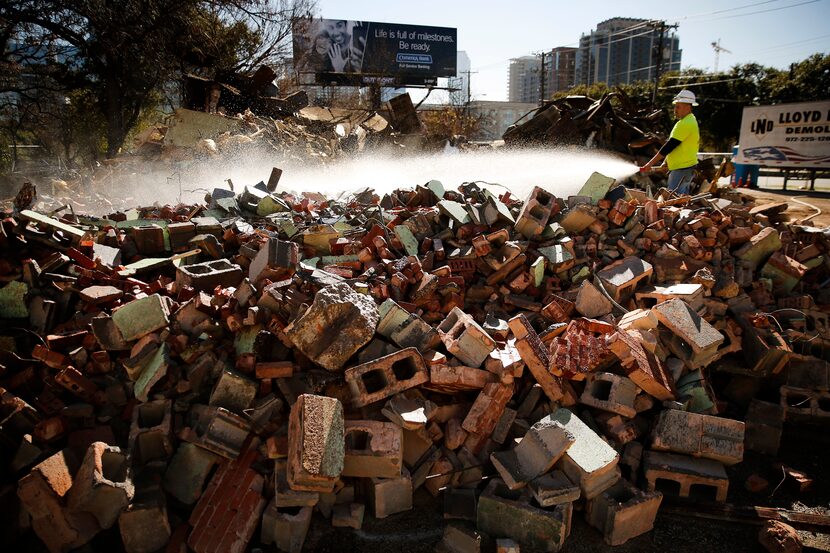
611, 123
216, 375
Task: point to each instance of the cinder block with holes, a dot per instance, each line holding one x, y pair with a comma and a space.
623, 512
373, 449
286, 528
386, 376
103, 485
698, 435
151, 432
535, 212
465, 339
610, 392
210, 274
685, 475
541, 447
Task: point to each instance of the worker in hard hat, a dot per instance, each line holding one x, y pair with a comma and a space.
680, 151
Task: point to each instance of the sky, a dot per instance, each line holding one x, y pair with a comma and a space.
771, 32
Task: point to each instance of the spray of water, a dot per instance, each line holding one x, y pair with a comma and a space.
561, 172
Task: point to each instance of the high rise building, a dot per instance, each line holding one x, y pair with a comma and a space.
624, 50
523, 79
560, 70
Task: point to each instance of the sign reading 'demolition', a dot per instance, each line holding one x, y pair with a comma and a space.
364, 52
786, 135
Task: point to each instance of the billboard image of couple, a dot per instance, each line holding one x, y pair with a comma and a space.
356, 52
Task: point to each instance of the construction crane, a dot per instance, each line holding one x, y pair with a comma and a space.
718, 49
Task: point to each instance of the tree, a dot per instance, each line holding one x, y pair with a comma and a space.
126, 51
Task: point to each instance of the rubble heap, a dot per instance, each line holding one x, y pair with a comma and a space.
213, 375
620, 126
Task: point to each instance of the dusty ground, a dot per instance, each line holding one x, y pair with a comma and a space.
796, 199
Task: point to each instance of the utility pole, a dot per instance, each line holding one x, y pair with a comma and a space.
469, 90
542, 81
658, 64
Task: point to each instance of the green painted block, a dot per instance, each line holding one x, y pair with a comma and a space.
410, 243
597, 186
141, 317
244, 340
454, 211
505, 513
537, 269
13, 300
154, 369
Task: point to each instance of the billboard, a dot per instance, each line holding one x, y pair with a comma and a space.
786, 135
367, 52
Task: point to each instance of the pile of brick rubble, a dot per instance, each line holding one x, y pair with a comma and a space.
266, 357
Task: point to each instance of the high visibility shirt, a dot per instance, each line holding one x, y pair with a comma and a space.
685, 154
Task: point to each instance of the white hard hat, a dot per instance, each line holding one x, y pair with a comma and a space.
685, 97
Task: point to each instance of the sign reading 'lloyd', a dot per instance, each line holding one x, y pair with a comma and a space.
786, 135
365, 52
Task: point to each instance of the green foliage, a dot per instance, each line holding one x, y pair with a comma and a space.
122, 53
451, 121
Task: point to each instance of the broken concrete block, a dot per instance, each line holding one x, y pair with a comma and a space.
539, 449
141, 317
622, 277
592, 303
373, 449
103, 485
188, 471
509, 513
144, 525
348, 320
610, 392
578, 219
623, 512
348, 515
43, 493
692, 339
664, 470
287, 530
217, 430
764, 426
465, 339
284, 496
273, 254
153, 368
97, 295
554, 488
698, 435
387, 376
388, 496
589, 462
234, 495
404, 328
233, 391
316, 443
210, 274
459, 539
